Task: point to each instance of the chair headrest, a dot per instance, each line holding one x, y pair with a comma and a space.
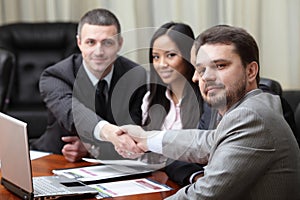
271, 86
36, 36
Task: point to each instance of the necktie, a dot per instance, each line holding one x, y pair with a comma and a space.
100, 99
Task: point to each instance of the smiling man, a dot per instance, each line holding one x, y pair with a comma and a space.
252, 153
68, 89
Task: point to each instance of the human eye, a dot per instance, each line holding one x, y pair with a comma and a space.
221, 66
171, 55
90, 42
108, 43
200, 70
155, 57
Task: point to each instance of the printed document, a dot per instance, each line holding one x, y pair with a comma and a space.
129, 187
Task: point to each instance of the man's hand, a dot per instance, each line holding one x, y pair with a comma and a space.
74, 150
123, 143
138, 134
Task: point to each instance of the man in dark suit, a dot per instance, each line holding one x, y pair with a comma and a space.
68, 89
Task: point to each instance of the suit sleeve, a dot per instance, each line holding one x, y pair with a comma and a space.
59, 86
57, 94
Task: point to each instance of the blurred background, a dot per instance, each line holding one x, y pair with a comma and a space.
273, 23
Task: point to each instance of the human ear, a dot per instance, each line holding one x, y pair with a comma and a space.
252, 71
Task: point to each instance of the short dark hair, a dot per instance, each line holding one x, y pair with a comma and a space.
100, 17
245, 45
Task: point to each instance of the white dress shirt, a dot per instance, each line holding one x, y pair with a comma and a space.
95, 81
172, 120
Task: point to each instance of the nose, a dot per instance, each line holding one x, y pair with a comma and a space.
209, 74
162, 62
195, 77
99, 49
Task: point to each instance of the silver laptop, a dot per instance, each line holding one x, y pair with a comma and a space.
16, 167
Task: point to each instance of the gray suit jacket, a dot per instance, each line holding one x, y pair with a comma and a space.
251, 155
70, 98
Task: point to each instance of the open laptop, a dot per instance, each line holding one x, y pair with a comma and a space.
16, 167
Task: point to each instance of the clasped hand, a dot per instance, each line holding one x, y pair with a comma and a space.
137, 139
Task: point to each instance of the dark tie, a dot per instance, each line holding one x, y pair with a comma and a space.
100, 99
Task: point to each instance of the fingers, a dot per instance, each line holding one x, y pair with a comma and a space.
70, 139
74, 150
74, 155
138, 134
135, 144
126, 143
128, 154
134, 131
70, 156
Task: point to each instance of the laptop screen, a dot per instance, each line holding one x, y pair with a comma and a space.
15, 160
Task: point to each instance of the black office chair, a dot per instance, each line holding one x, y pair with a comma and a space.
32, 47
270, 85
274, 87
297, 120
6, 72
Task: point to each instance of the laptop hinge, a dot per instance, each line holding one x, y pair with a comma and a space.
16, 190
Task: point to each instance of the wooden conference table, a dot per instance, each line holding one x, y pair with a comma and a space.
44, 165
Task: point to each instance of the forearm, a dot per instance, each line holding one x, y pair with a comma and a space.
189, 145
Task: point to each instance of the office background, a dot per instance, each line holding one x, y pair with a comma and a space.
273, 23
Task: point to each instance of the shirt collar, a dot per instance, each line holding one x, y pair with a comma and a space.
169, 97
94, 79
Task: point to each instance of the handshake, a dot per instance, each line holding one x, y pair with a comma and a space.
130, 141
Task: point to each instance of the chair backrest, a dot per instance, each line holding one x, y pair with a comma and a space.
35, 46
6, 73
293, 98
269, 85
297, 120
288, 107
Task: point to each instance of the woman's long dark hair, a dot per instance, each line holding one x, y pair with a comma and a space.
191, 106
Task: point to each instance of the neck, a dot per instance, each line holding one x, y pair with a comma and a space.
177, 90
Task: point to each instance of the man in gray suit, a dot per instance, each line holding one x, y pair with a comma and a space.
252, 154
68, 89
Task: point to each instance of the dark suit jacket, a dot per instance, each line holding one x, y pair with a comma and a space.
70, 98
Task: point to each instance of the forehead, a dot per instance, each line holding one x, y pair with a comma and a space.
98, 31
211, 52
164, 43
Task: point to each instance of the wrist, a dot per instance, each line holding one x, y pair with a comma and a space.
108, 132
195, 176
143, 145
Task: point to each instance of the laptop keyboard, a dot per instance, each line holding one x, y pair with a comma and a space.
44, 186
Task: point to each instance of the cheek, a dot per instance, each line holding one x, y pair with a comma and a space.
156, 66
179, 66
111, 52
85, 51
201, 85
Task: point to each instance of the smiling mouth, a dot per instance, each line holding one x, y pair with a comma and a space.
165, 74
99, 59
212, 89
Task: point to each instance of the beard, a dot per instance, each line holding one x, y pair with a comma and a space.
228, 96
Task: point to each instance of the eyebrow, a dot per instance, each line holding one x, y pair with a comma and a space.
167, 51
213, 61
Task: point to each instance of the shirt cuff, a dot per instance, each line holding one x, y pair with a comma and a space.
193, 175
154, 142
98, 128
